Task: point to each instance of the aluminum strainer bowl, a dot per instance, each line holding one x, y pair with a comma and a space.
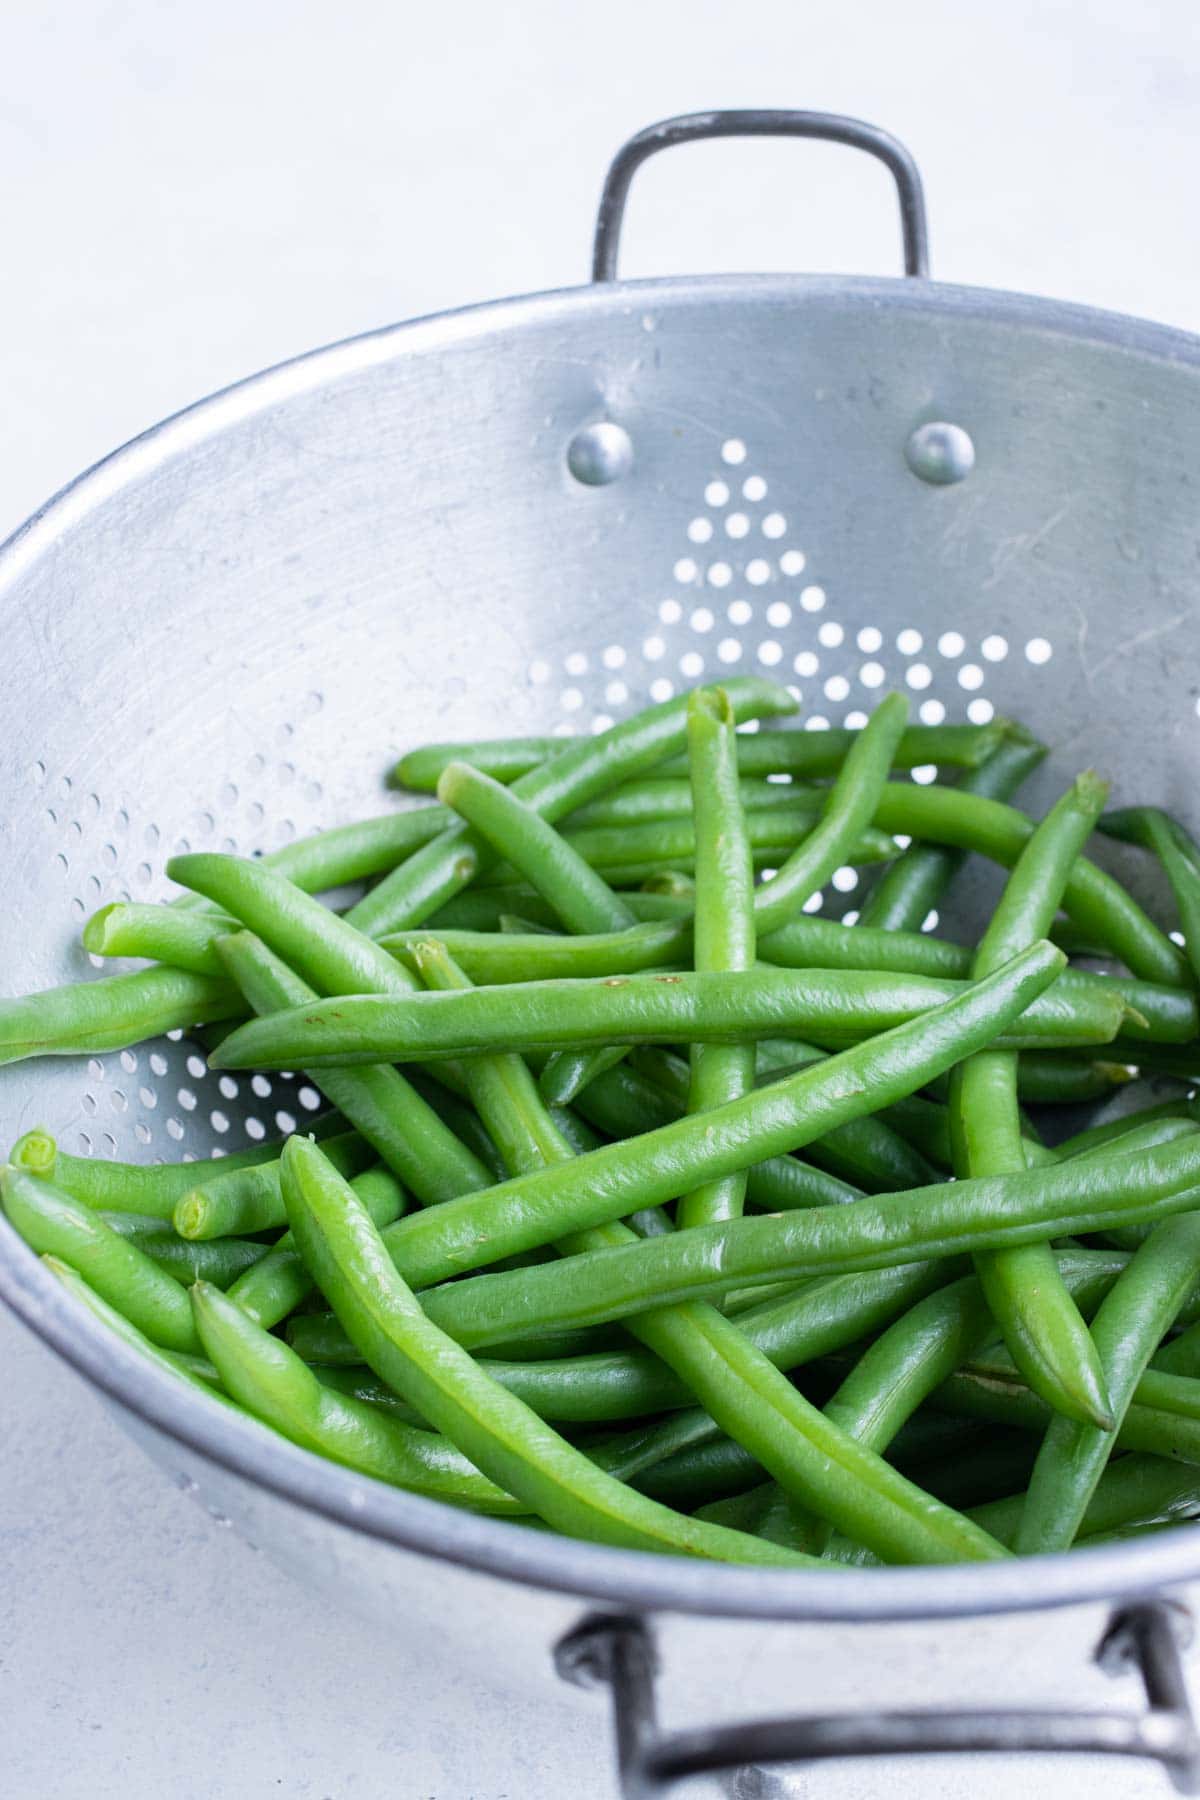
540, 515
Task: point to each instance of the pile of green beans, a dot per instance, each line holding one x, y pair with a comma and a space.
629, 1133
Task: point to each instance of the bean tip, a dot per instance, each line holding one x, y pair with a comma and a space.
94, 935
189, 1215
36, 1152
450, 782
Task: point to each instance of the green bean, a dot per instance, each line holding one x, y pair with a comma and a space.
502, 1437
500, 1086
715, 1465
819, 1463
568, 1072
155, 1188
699, 1471
1181, 1062
808, 943
1132, 1319
720, 1466
728, 1375
483, 909
998, 1395
1159, 1013
1133, 1493
271, 1382
724, 928
670, 797
511, 923
905, 894
220, 1262
623, 1103
1133, 1490
1059, 1078
54, 1224
168, 934
992, 1213
846, 814
811, 753
457, 1114
572, 776
906, 1363
277, 1284
885, 1387
1168, 1014
391, 1116
925, 1124
1096, 903
614, 1180
360, 1384
1170, 1392
88, 1018
767, 1512
833, 1008
249, 1200
1040, 1322
181, 932
1149, 826
322, 948
629, 854
489, 958
1181, 1355
183, 1365
354, 852
670, 884
1137, 1137
581, 898
1098, 1137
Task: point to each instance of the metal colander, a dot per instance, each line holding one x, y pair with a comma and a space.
539, 516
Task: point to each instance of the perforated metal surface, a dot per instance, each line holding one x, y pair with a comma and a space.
741, 584
279, 592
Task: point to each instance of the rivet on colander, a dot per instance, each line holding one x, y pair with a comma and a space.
940, 453
600, 453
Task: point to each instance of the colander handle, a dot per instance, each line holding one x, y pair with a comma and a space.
760, 122
619, 1652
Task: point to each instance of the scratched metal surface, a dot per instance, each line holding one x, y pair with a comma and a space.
388, 532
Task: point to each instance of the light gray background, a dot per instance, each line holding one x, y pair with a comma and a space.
190, 193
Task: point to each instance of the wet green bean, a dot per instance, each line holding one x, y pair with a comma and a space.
1128, 1327
914, 886
270, 1382
54, 1224
846, 814
723, 929
1040, 1322
799, 753
1097, 903
832, 1008
580, 897
89, 1018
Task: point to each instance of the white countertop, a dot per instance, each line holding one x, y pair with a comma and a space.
190, 194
